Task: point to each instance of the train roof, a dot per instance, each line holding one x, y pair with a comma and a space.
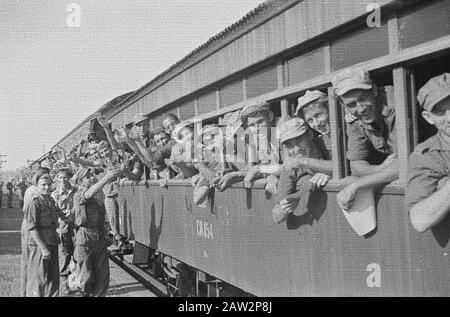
304, 12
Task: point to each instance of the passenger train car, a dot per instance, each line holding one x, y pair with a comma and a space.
230, 245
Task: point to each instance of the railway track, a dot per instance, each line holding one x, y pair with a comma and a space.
140, 274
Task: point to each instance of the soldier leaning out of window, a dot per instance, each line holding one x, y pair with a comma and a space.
370, 131
257, 119
428, 189
298, 140
313, 108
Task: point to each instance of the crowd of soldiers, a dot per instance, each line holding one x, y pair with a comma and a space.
16, 185
79, 211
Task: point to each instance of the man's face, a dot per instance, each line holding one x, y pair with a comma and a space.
63, 179
142, 128
318, 118
300, 146
169, 124
161, 139
439, 116
362, 104
258, 122
43, 186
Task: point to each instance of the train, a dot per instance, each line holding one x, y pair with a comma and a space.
230, 246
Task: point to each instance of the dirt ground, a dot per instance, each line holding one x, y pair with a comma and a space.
121, 284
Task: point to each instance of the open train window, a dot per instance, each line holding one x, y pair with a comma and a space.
275, 107
421, 73
339, 140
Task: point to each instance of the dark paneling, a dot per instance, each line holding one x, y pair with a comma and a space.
262, 81
187, 110
231, 93
358, 46
207, 102
317, 254
424, 24
306, 66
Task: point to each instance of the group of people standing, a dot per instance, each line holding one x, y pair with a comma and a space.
12, 185
82, 211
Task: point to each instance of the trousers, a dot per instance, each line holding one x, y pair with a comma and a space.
92, 268
42, 275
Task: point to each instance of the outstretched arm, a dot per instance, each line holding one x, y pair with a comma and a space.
385, 176
322, 166
114, 144
431, 210
94, 189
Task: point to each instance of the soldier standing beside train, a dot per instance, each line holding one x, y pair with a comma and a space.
428, 188
63, 196
371, 133
91, 238
41, 220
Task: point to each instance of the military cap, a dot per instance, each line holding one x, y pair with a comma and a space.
309, 97
434, 91
351, 78
291, 129
138, 118
252, 108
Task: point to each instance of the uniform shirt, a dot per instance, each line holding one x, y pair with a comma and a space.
42, 215
294, 183
427, 165
371, 142
27, 199
28, 196
324, 143
89, 219
64, 201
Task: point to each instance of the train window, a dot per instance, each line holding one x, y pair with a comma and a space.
305, 66
360, 45
158, 116
207, 102
262, 81
292, 105
421, 74
231, 93
187, 110
424, 23
275, 107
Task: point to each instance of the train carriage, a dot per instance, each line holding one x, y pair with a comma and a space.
275, 53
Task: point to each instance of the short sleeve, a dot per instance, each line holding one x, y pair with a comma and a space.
31, 215
358, 145
423, 179
286, 183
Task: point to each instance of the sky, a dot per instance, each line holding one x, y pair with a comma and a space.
54, 74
